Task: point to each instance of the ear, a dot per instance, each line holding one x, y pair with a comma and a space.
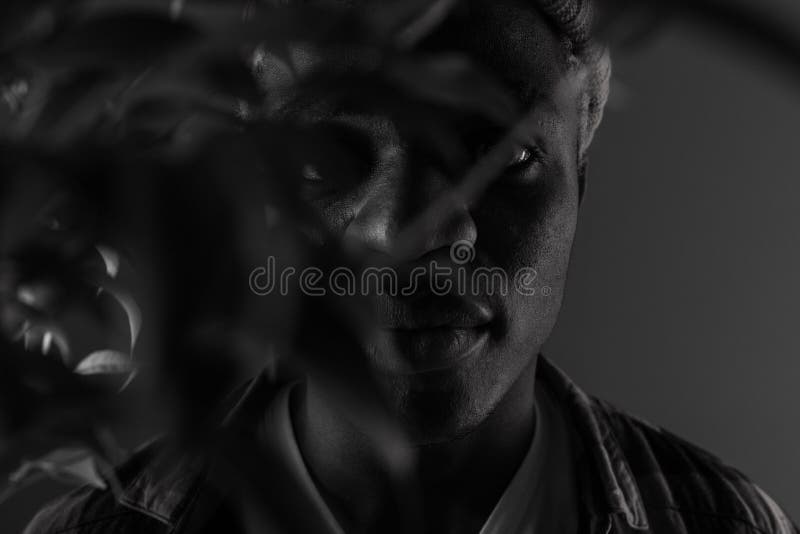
583, 169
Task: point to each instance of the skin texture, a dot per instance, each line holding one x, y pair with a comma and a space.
469, 420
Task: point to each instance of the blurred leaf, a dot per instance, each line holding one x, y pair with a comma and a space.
14, 94
131, 308
74, 104
71, 465
406, 22
105, 362
430, 16
175, 8
40, 336
111, 260
38, 296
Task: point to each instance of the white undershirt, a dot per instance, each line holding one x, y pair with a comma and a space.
542, 497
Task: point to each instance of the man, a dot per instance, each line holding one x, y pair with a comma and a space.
500, 440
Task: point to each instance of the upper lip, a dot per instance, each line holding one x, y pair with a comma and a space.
434, 312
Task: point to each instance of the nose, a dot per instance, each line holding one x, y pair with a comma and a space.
395, 197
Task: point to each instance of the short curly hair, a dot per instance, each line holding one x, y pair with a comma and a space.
576, 19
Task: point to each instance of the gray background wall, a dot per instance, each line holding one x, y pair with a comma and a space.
684, 300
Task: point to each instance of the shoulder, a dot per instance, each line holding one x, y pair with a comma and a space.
678, 480
159, 485
88, 510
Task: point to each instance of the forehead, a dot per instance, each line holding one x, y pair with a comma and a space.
510, 38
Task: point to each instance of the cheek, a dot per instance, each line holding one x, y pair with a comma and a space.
531, 232
531, 226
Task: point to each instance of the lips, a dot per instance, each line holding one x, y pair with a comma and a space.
433, 312
436, 348
434, 333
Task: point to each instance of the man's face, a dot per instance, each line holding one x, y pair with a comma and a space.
447, 360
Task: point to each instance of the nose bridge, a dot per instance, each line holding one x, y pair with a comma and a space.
396, 194
381, 210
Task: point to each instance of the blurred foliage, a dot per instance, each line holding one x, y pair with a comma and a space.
146, 166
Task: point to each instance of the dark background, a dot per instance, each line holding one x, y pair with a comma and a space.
684, 297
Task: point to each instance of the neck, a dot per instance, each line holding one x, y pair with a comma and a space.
452, 485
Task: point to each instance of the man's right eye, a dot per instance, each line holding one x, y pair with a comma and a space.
521, 155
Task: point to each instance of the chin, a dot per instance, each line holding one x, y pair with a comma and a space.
443, 405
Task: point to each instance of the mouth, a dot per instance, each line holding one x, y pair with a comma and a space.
432, 349
436, 335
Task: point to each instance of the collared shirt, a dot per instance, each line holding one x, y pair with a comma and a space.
541, 497
634, 478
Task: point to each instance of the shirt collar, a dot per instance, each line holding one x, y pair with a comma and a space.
164, 485
165, 490
618, 486
161, 486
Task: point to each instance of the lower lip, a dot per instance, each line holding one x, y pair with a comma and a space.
432, 349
